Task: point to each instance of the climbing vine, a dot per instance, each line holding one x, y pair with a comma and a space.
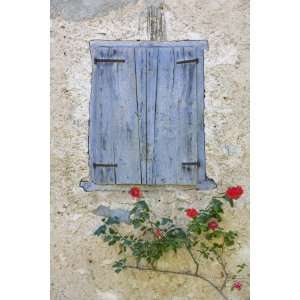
203, 237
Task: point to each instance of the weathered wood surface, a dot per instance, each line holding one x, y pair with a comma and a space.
152, 73
141, 100
146, 113
101, 146
187, 114
165, 120
171, 116
114, 126
125, 122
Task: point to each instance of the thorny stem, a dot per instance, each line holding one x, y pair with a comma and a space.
194, 260
222, 263
219, 290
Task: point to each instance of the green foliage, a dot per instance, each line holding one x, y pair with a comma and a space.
230, 201
241, 267
100, 230
119, 265
151, 238
139, 214
229, 238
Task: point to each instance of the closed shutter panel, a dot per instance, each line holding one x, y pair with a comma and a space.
173, 117
186, 98
114, 125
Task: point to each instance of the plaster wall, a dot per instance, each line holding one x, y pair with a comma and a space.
81, 262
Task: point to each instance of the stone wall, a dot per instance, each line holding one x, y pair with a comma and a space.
81, 263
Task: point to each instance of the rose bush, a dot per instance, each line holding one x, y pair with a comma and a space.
203, 237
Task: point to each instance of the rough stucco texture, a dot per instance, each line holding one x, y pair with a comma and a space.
81, 263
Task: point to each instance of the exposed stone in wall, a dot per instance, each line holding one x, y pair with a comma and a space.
81, 263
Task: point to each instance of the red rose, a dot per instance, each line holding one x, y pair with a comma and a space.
234, 192
135, 192
157, 233
213, 225
192, 212
237, 285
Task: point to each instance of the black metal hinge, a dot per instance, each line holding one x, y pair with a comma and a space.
108, 60
188, 61
105, 165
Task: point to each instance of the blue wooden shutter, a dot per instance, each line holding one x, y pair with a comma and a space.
114, 122
147, 114
173, 116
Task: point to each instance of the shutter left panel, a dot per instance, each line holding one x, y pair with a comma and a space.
114, 127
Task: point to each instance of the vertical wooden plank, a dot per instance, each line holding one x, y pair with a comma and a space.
179, 84
125, 122
165, 120
187, 114
151, 92
141, 97
101, 145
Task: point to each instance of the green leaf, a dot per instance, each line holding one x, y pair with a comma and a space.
119, 265
230, 201
136, 225
112, 220
209, 236
241, 267
112, 242
229, 238
112, 231
142, 205
107, 238
165, 221
100, 230
127, 242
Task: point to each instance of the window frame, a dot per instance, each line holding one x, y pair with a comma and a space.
202, 182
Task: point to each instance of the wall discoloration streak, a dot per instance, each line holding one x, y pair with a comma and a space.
156, 23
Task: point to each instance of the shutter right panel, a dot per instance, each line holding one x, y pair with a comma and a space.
175, 117
186, 89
